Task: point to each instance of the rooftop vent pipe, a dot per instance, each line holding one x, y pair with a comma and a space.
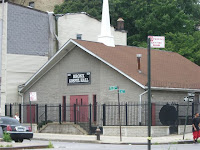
139, 62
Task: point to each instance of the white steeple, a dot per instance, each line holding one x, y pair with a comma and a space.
105, 36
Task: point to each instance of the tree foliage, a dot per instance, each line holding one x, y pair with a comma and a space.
174, 19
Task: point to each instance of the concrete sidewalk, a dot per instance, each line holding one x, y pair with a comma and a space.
112, 139
23, 145
171, 139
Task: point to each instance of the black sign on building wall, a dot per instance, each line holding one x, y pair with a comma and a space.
79, 78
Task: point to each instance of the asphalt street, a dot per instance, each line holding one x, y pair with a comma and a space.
88, 146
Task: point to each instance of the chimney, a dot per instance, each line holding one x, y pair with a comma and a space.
139, 62
105, 36
120, 24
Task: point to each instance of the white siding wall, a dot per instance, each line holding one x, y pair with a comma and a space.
70, 25
4, 58
19, 69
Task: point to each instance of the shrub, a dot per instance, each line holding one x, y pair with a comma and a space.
50, 145
6, 137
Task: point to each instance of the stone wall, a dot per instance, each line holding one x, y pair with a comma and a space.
28, 31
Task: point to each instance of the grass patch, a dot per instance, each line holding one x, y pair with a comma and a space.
50, 145
6, 137
156, 143
174, 142
6, 146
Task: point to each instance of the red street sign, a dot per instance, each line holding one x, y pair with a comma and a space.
157, 41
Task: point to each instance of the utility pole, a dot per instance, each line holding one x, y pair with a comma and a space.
149, 92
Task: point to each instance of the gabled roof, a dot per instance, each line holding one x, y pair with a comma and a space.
170, 71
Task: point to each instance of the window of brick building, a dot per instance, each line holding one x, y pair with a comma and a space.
79, 36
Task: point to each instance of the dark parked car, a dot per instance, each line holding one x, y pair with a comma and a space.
17, 132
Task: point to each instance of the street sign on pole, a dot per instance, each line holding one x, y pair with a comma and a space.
157, 41
121, 91
112, 88
191, 94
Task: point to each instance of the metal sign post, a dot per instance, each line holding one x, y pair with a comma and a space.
188, 99
186, 118
32, 97
120, 129
154, 42
149, 94
112, 88
30, 114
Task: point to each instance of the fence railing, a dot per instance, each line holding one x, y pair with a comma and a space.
89, 116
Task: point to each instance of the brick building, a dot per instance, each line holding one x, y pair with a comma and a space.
43, 5
27, 44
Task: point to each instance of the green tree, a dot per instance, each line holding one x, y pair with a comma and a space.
175, 19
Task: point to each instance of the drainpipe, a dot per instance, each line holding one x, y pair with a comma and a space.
1, 47
22, 95
140, 108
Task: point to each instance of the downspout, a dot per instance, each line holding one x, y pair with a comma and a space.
52, 29
140, 108
1, 48
22, 112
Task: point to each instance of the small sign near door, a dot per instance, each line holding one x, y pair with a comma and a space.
33, 96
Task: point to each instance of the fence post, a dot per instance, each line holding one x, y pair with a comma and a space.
10, 110
177, 113
60, 113
45, 113
126, 114
37, 117
90, 122
74, 113
192, 110
104, 114
20, 112
6, 110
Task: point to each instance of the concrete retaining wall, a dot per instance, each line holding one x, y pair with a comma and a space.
136, 131
187, 130
142, 131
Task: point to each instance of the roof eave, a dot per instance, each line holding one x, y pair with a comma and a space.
173, 89
45, 68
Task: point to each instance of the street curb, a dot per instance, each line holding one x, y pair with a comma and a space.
65, 140
186, 142
101, 142
26, 147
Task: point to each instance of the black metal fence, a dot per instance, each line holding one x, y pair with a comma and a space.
90, 116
